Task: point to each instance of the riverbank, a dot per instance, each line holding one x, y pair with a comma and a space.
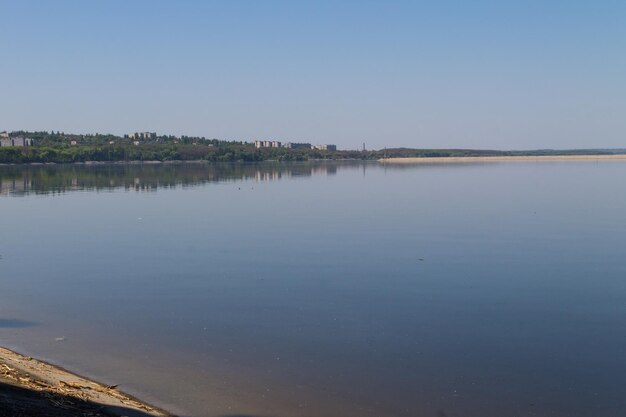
180, 162
501, 158
33, 387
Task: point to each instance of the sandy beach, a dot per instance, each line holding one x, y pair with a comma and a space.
30, 387
501, 159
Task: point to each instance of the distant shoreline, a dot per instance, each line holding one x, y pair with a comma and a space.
44, 147
526, 158
146, 162
390, 160
177, 162
35, 387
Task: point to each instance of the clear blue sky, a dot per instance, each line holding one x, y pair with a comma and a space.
474, 74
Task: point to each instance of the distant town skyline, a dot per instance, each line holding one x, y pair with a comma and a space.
421, 74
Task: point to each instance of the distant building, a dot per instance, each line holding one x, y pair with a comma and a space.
4, 135
73, 143
325, 147
136, 143
266, 144
293, 145
5, 140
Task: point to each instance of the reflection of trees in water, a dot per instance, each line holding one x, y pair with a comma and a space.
22, 180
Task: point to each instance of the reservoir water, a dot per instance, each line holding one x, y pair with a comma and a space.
325, 289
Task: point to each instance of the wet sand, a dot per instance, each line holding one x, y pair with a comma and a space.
501, 158
32, 387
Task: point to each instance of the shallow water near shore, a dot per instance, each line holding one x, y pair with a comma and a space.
325, 289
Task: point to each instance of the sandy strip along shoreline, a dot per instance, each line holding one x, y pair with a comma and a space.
33, 387
501, 158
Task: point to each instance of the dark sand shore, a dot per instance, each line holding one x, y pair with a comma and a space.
29, 387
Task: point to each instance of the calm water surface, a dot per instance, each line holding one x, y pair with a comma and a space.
328, 290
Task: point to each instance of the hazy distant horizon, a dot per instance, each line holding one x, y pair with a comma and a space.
388, 74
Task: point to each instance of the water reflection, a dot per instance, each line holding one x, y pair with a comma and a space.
20, 180
57, 179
